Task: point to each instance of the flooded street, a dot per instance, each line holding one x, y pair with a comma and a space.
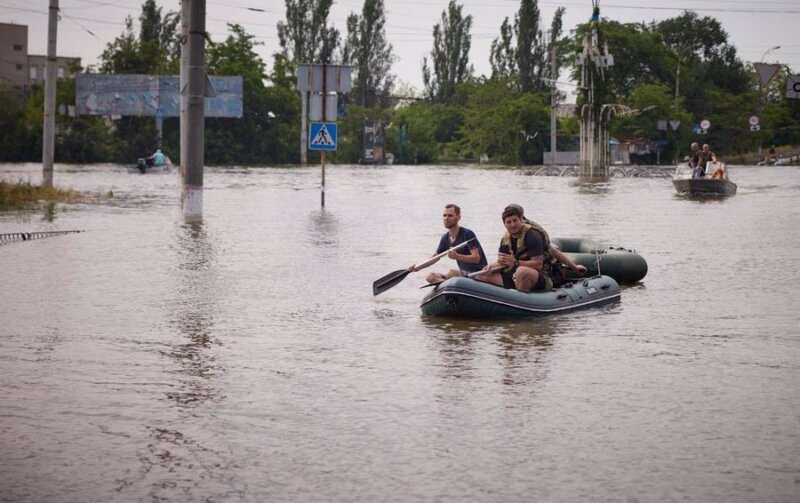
246, 359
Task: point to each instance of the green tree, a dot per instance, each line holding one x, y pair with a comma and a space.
19, 137
305, 36
258, 137
368, 51
502, 123
158, 37
530, 60
502, 56
450, 55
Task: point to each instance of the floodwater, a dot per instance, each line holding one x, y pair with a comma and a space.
245, 358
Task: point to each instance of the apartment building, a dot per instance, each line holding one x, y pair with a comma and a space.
21, 69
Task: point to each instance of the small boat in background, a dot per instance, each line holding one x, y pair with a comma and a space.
714, 183
145, 165
774, 161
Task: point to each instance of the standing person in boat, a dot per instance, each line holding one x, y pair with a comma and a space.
704, 157
694, 158
470, 258
526, 255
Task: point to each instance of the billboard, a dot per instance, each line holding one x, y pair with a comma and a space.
152, 95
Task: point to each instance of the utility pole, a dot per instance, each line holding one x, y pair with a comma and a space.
48, 140
553, 91
193, 92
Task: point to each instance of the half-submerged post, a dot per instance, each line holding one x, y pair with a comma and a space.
193, 90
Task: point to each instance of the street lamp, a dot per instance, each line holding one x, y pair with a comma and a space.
679, 55
769, 51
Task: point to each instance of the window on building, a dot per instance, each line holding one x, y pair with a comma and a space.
33, 73
18, 47
19, 66
60, 72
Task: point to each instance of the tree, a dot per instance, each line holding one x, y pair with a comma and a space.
709, 58
305, 36
155, 50
263, 134
502, 57
501, 122
530, 60
367, 50
158, 37
450, 55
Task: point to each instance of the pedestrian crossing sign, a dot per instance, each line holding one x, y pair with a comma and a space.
322, 136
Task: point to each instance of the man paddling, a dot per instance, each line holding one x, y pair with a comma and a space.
470, 258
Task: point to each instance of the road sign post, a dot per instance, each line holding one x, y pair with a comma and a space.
323, 136
323, 81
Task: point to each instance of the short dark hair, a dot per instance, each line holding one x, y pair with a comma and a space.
455, 207
511, 210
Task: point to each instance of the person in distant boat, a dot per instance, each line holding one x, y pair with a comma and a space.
470, 257
527, 257
705, 156
694, 159
158, 158
771, 154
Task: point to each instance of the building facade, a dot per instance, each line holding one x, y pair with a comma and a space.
24, 70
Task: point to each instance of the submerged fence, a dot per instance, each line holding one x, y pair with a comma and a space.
10, 237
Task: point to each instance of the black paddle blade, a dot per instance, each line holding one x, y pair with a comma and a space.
388, 281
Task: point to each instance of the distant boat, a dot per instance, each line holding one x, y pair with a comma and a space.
775, 161
145, 165
706, 186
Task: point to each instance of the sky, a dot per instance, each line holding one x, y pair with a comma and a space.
87, 26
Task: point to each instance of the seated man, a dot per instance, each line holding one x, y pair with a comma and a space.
158, 158
470, 258
526, 255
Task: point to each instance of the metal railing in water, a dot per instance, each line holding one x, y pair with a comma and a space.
10, 237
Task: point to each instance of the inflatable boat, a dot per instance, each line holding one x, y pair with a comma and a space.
624, 265
468, 298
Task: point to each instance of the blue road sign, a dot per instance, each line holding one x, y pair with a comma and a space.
322, 136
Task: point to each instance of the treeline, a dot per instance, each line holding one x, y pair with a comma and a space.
681, 69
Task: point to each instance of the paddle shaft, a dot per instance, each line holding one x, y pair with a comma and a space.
440, 255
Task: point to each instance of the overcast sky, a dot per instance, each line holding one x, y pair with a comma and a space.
86, 26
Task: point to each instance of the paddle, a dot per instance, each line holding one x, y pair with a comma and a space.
393, 278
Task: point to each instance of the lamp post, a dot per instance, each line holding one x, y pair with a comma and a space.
769, 51
763, 81
679, 55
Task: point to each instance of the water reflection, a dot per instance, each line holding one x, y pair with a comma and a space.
324, 229
519, 345
592, 185
194, 317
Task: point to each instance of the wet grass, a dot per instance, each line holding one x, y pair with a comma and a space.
25, 195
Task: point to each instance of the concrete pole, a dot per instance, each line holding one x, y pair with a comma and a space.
49, 138
193, 119
184, 77
554, 77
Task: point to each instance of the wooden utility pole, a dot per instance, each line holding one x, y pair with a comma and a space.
48, 141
